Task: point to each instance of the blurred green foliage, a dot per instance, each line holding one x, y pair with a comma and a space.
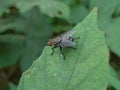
27, 25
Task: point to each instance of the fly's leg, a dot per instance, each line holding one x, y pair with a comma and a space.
76, 38
53, 50
73, 48
62, 53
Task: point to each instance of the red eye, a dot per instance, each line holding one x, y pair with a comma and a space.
49, 43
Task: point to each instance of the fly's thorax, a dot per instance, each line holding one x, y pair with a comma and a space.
55, 41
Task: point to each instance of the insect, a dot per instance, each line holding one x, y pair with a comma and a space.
63, 40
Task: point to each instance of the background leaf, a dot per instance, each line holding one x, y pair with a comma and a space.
16, 23
4, 5
6, 55
38, 32
51, 8
113, 79
108, 21
112, 35
82, 68
78, 13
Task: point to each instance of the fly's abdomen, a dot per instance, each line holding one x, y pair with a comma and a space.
67, 43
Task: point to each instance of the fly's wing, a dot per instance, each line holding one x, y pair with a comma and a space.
64, 36
67, 34
65, 39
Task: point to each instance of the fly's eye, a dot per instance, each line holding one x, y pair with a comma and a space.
49, 43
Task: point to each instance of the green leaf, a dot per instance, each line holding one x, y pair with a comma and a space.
7, 4
113, 79
85, 68
12, 38
1, 12
50, 7
69, 2
15, 23
12, 86
114, 82
112, 31
108, 22
106, 9
4, 5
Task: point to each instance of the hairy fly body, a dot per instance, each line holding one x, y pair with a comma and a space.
63, 40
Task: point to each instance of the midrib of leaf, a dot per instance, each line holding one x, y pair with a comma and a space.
79, 53
92, 52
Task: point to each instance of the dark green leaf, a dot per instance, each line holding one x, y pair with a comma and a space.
109, 22
78, 13
52, 8
12, 86
113, 79
15, 23
114, 82
10, 53
12, 38
112, 31
69, 2
5, 4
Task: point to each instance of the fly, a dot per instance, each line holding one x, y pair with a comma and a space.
63, 40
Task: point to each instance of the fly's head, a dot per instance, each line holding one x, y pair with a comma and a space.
54, 41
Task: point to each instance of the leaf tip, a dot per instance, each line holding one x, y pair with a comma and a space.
95, 9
